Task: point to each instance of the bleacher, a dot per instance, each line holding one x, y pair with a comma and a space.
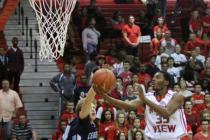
42, 103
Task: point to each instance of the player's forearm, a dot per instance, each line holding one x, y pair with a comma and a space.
118, 103
157, 108
86, 106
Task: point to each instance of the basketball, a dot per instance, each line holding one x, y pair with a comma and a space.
105, 79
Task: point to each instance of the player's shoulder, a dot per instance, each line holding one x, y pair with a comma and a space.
176, 95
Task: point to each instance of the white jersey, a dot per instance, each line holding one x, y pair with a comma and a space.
161, 128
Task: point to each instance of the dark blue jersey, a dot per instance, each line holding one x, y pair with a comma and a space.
81, 130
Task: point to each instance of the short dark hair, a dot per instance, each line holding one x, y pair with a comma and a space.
170, 58
167, 77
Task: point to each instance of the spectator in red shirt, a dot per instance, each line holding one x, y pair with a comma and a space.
206, 116
144, 77
131, 117
57, 135
206, 105
204, 134
192, 117
68, 114
131, 35
118, 92
189, 135
161, 26
107, 120
135, 127
120, 126
206, 23
195, 24
198, 97
126, 74
118, 24
155, 43
192, 43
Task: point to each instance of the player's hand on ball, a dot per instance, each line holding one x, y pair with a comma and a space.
100, 91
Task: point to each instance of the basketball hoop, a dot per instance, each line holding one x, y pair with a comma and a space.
53, 18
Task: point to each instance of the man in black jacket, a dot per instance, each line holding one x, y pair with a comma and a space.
15, 64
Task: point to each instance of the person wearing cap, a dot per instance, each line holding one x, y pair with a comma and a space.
131, 34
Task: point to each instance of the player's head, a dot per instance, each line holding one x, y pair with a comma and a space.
92, 113
161, 80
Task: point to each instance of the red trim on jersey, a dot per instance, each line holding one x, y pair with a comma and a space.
182, 120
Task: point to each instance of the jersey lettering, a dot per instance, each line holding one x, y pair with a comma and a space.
164, 128
161, 120
92, 135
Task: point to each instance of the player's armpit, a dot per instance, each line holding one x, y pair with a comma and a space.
176, 103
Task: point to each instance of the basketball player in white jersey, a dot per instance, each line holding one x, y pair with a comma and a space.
164, 115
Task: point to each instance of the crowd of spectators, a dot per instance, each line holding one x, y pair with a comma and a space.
14, 124
186, 59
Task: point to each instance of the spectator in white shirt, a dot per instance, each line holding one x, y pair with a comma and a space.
158, 58
198, 55
90, 37
163, 59
179, 58
168, 43
118, 65
173, 71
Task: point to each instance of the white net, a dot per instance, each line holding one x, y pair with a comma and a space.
53, 18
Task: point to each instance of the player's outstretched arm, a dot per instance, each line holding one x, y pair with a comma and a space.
127, 105
86, 106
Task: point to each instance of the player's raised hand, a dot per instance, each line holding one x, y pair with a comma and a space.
100, 91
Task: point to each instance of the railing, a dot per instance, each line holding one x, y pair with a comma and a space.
22, 15
35, 47
26, 22
31, 42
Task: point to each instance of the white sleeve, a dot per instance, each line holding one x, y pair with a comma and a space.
184, 59
65, 135
115, 113
84, 39
99, 113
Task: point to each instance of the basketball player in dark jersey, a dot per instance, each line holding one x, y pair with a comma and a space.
83, 127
